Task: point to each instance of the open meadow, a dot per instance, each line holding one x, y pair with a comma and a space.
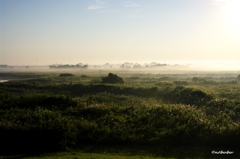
117, 113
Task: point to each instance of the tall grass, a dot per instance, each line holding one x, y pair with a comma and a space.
50, 116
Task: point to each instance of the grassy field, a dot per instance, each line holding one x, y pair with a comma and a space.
86, 156
184, 115
126, 151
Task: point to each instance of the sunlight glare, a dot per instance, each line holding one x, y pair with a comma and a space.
231, 7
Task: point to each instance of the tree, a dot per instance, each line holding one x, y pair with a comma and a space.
112, 78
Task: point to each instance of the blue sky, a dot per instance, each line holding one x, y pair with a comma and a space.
101, 31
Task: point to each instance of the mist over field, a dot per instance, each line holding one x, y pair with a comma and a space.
143, 111
119, 79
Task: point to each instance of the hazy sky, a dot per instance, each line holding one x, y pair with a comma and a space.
100, 31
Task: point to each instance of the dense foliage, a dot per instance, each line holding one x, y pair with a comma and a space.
49, 113
66, 75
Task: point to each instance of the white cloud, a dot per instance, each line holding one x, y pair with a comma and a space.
108, 11
97, 5
94, 7
130, 4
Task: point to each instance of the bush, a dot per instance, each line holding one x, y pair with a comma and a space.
66, 75
180, 82
84, 76
198, 79
184, 95
112, 78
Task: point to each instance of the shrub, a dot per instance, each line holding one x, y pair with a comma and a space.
180, 82
112, 78
198, 79
186, 96
84, 76
66, 75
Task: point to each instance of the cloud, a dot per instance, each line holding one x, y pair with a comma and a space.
97, 5
134, 10
108, 11
130, 4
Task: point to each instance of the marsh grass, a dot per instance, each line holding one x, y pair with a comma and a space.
51, 114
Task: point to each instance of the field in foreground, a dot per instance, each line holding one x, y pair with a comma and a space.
86, 156
170, 111
126, 151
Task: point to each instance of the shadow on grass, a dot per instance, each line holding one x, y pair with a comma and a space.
142, 150
161, 151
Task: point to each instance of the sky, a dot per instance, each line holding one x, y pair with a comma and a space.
44, 32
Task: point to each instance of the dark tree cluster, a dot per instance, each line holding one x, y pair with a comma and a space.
66, 75
112, 78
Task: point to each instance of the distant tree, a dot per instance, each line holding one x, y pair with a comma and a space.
112, 78
84, 66
122, 66
238, 77
136, 66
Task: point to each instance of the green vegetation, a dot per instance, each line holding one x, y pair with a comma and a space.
77, 155
238, 77
112, 78
48, 113
66, 75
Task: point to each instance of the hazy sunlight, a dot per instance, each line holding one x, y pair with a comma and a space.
231, 7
